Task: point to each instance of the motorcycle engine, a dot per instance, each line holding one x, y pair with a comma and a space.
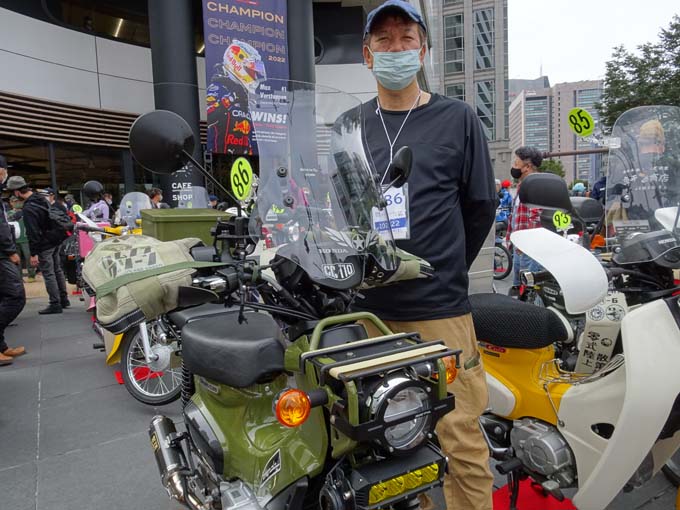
542, 449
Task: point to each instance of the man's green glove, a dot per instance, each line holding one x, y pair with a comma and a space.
409, 267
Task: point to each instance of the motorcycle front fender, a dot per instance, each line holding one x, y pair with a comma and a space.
651, 346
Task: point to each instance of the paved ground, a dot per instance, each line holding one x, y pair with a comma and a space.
73, 439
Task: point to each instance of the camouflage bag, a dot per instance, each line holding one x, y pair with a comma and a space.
137, 278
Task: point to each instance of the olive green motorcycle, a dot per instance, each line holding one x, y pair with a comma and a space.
294, 405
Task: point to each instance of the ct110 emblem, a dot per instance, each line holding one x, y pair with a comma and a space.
339, 271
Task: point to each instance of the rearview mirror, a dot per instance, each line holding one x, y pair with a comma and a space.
545, 190
400, 167
159, 141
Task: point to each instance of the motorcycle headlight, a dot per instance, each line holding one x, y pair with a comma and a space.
404, 406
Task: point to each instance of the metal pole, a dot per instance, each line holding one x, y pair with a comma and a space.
173, 59
53, 165
601, 150
128, 170
301, 40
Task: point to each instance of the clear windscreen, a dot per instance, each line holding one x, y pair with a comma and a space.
131, 206
194, 197
643, 186
317, 195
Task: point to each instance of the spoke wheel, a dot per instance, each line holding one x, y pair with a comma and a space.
156, 383
502, 262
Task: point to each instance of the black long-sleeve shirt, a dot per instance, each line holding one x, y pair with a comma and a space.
7, 246
452, 204
38, 225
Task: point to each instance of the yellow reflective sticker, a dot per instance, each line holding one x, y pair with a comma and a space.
561, 220
241, 178
581, 122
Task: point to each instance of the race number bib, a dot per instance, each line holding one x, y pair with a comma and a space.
396, 216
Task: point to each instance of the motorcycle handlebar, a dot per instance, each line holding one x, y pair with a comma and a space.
224, 281
535, 278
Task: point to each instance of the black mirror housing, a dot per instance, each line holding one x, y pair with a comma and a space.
400, 167
545, 190
159, 140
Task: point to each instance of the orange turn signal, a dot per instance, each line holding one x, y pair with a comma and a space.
451, 370
293, 408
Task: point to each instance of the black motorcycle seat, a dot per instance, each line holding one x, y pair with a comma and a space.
238, 355
181, 317
506, 322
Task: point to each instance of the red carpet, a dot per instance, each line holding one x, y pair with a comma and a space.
530, 498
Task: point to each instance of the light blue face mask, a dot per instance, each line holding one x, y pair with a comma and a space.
395, 70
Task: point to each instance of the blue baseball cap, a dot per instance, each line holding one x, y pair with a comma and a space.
400, 5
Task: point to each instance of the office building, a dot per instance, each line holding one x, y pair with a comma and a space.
470, 62
539, 117
515, 86
566, 96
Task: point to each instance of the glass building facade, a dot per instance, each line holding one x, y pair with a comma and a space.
454, 44
485, 105
484, 39
537, 117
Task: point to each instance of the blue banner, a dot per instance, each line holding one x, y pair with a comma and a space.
246, 43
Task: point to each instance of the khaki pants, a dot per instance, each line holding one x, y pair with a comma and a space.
469, 484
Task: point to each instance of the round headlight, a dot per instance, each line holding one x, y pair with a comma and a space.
406, 402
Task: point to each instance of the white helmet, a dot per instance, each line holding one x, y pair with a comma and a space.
243, 63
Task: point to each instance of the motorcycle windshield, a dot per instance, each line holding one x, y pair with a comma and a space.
317, 195
643, 186
131, 206
193, 197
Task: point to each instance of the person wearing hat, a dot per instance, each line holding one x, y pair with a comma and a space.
504, 196
12, 294
213, 201
452, 202
578, 190
43, 241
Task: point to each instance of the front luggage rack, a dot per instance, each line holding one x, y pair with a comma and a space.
352, 361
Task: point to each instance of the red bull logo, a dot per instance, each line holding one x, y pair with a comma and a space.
242, 127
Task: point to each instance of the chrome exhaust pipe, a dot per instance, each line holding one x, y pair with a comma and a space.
171, 462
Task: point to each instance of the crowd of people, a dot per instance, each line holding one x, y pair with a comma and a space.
33, 225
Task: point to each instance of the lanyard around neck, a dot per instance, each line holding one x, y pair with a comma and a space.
390, 141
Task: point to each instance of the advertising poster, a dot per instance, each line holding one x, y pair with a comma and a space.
246, 44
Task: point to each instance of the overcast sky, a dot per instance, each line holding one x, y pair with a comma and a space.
573, 39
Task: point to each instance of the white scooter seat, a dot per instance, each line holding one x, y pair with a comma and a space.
506, 322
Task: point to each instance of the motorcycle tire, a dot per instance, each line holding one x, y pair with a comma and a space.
671, 470
501, 268
138, 376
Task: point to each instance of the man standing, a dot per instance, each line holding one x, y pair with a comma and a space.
16, 214
44, 239
451, 208
527, 161
12, 295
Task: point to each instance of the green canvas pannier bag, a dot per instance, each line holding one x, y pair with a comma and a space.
137, 278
